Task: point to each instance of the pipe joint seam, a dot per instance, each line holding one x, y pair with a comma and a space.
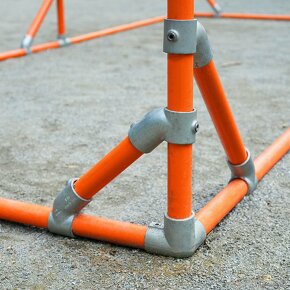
245, 171
164, 125
203, 54
66, 206
179, 36
178, 238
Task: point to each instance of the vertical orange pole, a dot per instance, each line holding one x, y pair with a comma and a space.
180, 98
61, 18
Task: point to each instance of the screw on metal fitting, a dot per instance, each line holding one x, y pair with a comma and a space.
196, 127
178, 238
172, 35
163, 125
245, 171
66, 206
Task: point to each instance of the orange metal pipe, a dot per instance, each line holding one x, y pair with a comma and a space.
180, 98
107, 169
211, 214
122, 233
12, 54
116, 29
244, 16
33, 29
217, 104
61, 17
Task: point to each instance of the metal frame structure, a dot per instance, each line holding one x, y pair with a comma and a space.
183, 231
27, 48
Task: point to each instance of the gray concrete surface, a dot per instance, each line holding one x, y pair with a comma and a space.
62, 110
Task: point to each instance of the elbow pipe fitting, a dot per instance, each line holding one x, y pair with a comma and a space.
217, 9
245, 171
164, 125
66, 206
26, 43
203, 54
179, 238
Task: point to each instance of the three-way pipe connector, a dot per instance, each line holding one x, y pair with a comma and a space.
66, 206
164, 125
178, 238
245, 171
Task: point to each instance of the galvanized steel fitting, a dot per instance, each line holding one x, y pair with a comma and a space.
179, 36
63, 40
246, 172
26, 43
203, 54
178, 238
66, 206
164, 125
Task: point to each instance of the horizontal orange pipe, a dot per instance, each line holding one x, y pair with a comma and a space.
130, 26
134, 235
244, 16
116, 29
12, 54
122, 156
211, 214
44, 46
122, 233
220, 111
33, 29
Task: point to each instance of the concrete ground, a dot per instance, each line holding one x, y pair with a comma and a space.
62, 110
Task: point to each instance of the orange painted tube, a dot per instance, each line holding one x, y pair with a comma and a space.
33, 29
44, 46
211, 214
107, 169
25, 213
180, 98
12, 54
244, 16
61, 17
217, 104
121, 233
116, 29
117, 232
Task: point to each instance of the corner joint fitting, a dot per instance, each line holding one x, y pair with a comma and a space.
26, 43
203, 54
164, 125
246, 172
178, 238
66, 206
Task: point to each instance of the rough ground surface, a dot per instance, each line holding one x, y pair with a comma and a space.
62, 110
